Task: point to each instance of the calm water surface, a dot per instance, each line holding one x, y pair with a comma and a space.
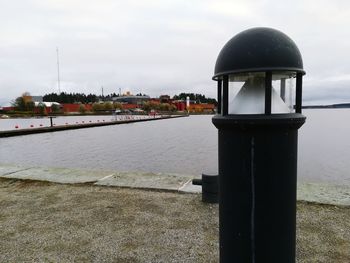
183, 145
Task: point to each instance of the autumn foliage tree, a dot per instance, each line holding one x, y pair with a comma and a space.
24, 102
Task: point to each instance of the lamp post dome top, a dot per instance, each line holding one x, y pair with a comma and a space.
258, 49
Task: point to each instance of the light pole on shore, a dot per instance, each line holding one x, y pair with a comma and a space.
258, 137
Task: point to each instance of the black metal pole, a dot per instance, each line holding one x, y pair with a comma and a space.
51, 124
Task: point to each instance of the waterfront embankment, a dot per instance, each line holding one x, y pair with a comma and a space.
322, 193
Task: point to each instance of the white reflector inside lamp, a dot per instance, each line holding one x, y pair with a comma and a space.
251, 99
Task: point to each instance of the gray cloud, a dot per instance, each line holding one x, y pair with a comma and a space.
160, 47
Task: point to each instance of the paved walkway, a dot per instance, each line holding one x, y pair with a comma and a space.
311, 192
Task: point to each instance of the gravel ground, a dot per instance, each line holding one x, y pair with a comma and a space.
47, 222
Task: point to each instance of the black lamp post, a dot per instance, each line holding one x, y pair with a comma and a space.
258, 137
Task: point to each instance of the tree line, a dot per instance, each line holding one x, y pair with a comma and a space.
64, 97
21, 104
91, 98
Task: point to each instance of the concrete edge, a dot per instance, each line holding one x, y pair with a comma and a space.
140, 180
309, 192
324, 193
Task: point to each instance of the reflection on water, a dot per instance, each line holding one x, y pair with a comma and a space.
183, 145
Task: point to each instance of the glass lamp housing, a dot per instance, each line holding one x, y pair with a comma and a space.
247, 93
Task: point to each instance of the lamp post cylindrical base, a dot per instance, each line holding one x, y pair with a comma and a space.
257, 187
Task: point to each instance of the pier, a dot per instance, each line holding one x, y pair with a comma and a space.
19, 132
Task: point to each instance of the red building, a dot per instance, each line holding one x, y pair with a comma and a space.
73, 107
180, 105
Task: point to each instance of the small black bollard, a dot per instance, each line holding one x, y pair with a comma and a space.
210, 188
51, 123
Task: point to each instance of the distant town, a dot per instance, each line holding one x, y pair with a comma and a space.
80, 103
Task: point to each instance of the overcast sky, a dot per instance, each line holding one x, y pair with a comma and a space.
161, 47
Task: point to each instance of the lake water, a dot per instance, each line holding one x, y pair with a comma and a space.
184, 145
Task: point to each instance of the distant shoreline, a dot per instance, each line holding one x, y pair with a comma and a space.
332, 106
